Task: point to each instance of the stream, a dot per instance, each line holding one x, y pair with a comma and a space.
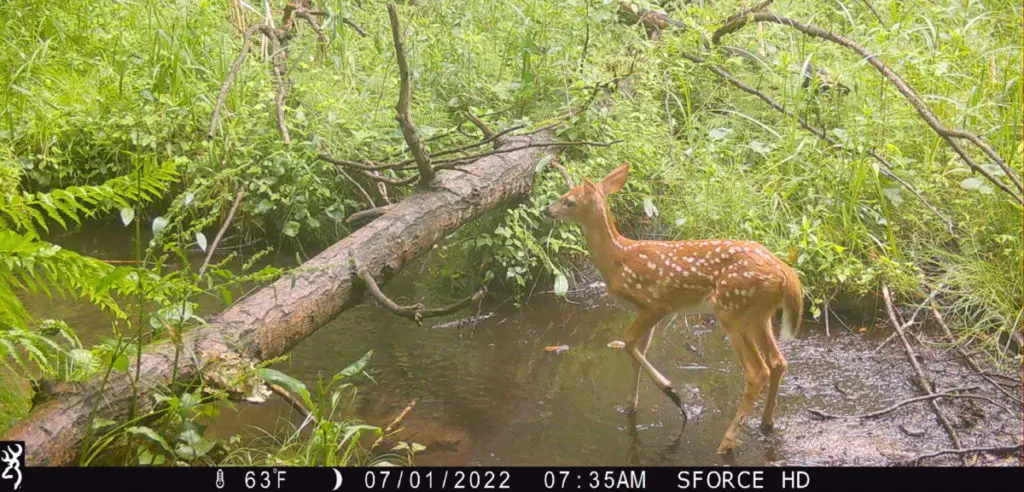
496, 396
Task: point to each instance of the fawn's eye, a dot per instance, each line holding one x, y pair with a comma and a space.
569, 202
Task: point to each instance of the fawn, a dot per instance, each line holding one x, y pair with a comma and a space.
739, 282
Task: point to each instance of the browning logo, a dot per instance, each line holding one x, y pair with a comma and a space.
12, 459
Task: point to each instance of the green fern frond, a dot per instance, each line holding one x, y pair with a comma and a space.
32, 265
28, 211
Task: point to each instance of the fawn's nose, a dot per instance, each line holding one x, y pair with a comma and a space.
547, 213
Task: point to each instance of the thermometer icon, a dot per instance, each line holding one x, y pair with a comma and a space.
220, 478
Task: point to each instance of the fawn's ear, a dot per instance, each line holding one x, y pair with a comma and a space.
615, 180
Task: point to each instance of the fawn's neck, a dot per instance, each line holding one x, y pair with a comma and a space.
604, 242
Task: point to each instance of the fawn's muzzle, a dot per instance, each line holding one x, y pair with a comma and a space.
547, 213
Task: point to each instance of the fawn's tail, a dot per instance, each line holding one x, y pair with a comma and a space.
792, 306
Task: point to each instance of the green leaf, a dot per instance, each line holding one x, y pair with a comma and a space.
561, 284
151, 435
99, 423
291, 384
355, 368
192, 445
121, 363
159, 224
127, 214
893, 194
291, 228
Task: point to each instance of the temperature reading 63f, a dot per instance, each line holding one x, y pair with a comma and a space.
264, 479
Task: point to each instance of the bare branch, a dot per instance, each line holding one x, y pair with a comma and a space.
294, 402
966, 451
884, 166
873, 11
223, 227
565, 173
369, 214
369, 199
401, 415
415, 312
412, 137
950, 393
922, 380
356, 27
230, 79
908, 92
486, 130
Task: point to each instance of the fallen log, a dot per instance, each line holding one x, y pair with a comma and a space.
276, 318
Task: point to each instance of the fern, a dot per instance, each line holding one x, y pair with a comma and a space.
27, 211
30, 264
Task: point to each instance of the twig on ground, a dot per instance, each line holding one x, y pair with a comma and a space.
970, 360
923, 381
950, 393
965, 451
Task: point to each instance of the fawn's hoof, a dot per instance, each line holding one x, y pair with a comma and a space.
767, 426
727, 445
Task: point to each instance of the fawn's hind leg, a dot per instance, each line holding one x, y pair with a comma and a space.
755, 372
777, 365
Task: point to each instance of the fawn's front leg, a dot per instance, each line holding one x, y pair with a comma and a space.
645, 342
642, 325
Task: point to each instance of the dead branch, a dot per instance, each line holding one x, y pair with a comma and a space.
401, 415
356, 27
970, 360
369, 199
294, 402
493, 137
950, 393
884, 166
908, 92
278, 39
369, 214
486, 130
412, 137
873, 11
925, 386
965, 451
416, 312
230, 79
565, 173
450, 163
223, 227
909, 322
747, 11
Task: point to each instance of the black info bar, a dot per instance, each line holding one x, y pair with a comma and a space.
803, 479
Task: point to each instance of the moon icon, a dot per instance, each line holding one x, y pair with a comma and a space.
337, 477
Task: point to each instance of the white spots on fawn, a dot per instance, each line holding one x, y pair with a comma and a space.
641, 255
651, 265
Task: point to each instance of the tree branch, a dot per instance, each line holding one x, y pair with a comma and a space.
884, 166
908, 92
412, 137
922, 380
416, 312
223, 227
965, 451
